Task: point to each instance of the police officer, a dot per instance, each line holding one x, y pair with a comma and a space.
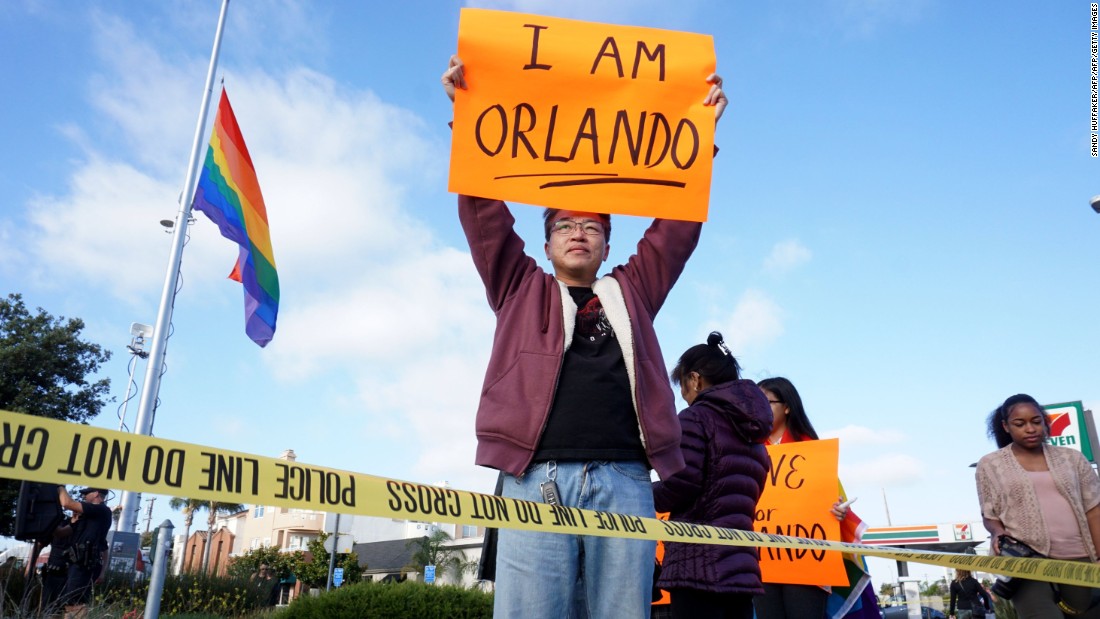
85, 555
56, 570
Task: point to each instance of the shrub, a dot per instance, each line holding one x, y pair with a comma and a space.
193, 595
407, 600
188, 596
1004, 609
14, 603
20, 600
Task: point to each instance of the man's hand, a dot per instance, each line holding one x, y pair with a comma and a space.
67, 501
454, 77
715, 96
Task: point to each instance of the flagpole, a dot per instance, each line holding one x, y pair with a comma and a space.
153, 370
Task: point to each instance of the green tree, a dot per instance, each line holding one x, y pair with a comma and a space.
285, 564
889, 591
44, 370
935, 588
461, 567
315, 573
434, 550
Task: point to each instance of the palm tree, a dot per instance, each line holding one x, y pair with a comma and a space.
188, 507
461, 566
213, 508
433, 550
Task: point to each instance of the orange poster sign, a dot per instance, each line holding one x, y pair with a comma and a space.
799, 491
583, 116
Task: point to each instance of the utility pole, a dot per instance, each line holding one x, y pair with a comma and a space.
332, 555
887, 506
149, 513
903, 567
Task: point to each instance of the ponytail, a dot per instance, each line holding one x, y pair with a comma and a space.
713, 361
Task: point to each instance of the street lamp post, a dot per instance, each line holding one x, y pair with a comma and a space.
1095, 202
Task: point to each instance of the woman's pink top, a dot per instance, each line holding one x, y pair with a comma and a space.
1065, 536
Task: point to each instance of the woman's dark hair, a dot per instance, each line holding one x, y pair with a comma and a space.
713, 361
548, 221
797, 421
996, 419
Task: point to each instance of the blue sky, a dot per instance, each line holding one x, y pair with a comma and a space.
899, 222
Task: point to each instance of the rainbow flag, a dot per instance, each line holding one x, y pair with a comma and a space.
857, 600
229, 194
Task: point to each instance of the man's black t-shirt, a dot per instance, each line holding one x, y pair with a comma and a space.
592, 417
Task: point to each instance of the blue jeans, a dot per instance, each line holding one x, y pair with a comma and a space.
554, 576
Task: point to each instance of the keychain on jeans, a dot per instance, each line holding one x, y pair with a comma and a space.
549, 487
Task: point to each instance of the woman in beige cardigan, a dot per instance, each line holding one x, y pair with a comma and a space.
1040, 495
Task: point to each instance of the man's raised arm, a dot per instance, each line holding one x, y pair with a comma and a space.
496, 249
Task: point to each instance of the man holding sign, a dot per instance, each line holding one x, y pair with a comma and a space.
576, 406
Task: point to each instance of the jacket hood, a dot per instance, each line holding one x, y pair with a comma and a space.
743, 404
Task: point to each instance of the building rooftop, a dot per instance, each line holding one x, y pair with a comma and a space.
388, 556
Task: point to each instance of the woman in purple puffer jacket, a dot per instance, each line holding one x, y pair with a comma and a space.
724, 426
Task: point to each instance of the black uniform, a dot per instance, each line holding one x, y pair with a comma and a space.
89, 541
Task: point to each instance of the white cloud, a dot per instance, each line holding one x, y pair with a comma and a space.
104, 230
860, 436
438, 404
427, 305
786, 256
887, 471
152, 101
755, 322
335, 167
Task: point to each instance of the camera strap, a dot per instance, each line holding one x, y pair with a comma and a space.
1065, 607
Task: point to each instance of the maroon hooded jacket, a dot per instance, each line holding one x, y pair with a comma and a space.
535, 319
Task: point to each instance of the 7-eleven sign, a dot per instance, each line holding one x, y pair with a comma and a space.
1067, 427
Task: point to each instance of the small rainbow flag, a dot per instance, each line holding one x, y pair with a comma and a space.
229, 194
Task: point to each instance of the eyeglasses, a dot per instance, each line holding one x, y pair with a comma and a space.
774, 402
566, 227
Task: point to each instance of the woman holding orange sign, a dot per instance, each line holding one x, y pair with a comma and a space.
786, 601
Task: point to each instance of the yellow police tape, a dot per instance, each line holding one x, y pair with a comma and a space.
45, 450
